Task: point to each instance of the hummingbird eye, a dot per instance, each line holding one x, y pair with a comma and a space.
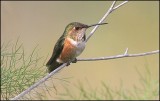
77, 28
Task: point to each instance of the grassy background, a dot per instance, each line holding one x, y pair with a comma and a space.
135, 25
19, 71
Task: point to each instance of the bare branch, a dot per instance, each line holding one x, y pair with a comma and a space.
39, 82
120, 56
126, 52
111, 9
119, 5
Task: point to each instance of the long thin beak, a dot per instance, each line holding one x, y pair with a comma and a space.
96, 24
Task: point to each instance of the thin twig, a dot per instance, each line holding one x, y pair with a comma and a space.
39, 82
120, 5
111, 9
120, 56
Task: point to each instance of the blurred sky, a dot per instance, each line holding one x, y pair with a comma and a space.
134, 25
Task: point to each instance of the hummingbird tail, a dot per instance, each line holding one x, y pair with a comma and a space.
54, 65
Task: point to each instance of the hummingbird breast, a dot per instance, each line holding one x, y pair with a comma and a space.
71, 50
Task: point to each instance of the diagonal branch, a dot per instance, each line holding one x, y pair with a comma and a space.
39, 82
111, 9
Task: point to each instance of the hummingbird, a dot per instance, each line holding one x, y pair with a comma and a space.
70, 45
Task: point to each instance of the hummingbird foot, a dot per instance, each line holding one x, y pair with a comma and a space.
74, 61
68, 64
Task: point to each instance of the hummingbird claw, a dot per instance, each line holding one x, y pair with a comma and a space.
74, 61
68, 64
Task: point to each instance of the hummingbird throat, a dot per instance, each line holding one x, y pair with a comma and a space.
78, 36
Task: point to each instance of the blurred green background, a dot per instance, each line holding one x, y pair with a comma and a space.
134, 25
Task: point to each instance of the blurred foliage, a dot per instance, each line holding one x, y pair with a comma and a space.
18, 71
149, 91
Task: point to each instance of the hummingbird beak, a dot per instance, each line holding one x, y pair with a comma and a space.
96, 24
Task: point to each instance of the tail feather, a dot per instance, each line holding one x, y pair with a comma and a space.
54, 65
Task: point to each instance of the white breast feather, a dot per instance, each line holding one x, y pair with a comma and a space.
80, 46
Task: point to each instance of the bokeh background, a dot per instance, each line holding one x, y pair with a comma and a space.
134, 25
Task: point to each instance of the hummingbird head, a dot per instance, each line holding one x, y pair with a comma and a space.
76, 30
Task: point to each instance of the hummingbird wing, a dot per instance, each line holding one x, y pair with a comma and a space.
52, 63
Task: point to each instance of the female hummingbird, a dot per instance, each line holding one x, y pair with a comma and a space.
70, 45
